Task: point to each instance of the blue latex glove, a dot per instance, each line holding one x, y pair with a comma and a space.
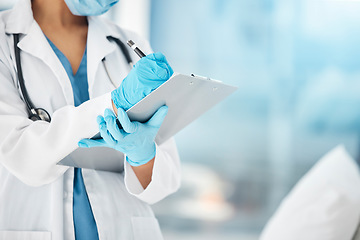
147, 75
136, 140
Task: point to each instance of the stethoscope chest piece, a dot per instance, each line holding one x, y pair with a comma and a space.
39, 114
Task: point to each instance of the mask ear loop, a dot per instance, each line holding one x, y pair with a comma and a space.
35, 114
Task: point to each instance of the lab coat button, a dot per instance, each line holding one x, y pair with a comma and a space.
65, 195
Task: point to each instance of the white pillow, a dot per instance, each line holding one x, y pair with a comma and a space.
324, 204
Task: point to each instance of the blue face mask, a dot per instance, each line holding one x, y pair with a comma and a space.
89, 7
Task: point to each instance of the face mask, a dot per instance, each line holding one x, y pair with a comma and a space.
89, 7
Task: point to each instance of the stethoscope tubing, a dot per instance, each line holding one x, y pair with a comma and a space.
40, 113
26, 98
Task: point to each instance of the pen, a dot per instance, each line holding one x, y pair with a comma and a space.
140, 53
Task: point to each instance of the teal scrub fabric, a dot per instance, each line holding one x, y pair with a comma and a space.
84, 221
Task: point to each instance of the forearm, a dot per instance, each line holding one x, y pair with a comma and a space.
144, 172
165, 177
22, 139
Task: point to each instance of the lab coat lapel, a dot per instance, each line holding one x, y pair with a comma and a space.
35, 43
98, 47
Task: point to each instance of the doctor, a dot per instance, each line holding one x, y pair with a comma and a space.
70, 67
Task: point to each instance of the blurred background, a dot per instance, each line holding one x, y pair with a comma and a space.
297, 66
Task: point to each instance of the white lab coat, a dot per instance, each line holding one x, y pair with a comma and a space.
36, 194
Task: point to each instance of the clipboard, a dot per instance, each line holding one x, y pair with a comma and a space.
187, 98
98, 158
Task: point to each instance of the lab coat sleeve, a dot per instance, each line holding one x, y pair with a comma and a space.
30, 150
166, 171
165, 176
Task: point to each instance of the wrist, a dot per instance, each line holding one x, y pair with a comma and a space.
115, 99
142, 159
114, 107
119, 99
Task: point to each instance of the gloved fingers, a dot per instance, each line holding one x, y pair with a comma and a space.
89, 143
164, 71
112, 126
109, 113
150, 69
157, 119
158, 65
128, 126
105, 134
160, 58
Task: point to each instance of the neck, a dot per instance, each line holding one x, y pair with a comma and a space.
55, 13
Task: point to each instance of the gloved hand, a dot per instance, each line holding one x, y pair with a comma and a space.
136, 140
147, 75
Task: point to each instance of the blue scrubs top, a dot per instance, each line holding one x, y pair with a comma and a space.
84, 221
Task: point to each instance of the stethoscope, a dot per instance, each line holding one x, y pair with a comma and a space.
36, 114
